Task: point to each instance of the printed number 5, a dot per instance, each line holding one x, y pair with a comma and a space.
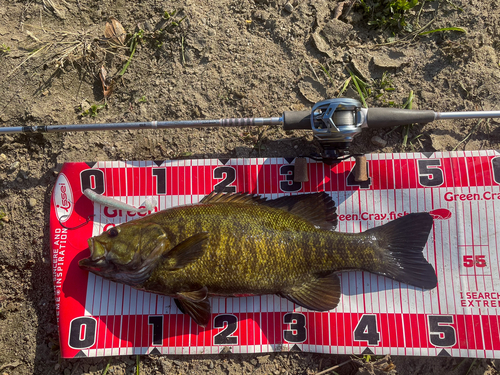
471, 261
428, 172
440, 332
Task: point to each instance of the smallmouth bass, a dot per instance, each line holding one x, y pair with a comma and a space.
242, 244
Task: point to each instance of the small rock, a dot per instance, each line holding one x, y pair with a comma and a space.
32, 202
14, 165
85, 106
177, 363
67, 371
57, 367
289, 7
5, 219
379, 142
3, 157
263, 359
388, 61
211, 365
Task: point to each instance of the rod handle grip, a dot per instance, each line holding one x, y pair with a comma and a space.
293, 120
389, 117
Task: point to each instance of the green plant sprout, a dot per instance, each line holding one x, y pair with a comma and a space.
93, 111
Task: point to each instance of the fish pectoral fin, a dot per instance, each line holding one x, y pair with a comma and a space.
198, 310
194, 296
187, 251
321, 294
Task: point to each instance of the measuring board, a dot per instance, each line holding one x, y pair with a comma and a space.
460, 317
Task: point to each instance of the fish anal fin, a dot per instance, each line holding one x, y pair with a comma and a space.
198, 310
187, 251
317, 208
321, 294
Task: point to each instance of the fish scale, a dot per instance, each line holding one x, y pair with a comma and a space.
239, 244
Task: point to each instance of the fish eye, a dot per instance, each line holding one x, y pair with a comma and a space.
113, 232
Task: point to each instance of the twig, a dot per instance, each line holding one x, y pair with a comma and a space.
468, 135
310, 65
333, 368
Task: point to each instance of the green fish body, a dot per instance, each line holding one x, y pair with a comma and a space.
240, 244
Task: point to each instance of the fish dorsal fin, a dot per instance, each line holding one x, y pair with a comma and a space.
214, 197
187, 251
321, 294
317, 208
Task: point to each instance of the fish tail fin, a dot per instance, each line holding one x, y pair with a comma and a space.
399, 245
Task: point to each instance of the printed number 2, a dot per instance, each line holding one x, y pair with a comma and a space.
230, 325
229, 175
367, 330
471, 261
440, 332
429, 173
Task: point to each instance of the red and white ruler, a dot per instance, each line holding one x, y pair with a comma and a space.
376, 315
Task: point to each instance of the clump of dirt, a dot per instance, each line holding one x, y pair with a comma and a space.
249, 58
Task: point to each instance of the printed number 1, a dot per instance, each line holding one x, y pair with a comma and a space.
471, 261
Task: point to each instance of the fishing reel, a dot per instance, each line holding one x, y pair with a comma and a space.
335, 122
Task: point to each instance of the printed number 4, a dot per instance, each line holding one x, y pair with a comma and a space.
367, 330
471, 261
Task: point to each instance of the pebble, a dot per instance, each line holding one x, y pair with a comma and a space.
32, 202
211, 365
3, 157
67, 371
379, 142
57, 367
177, 363
289, 7
14, 165
263, 359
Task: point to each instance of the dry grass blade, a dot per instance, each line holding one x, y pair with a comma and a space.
107, 84
115, 32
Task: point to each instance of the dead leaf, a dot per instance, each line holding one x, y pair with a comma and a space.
115, 32
107, 83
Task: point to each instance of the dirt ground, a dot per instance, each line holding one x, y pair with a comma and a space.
246, 58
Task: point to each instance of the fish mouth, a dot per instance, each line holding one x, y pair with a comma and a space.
96, 262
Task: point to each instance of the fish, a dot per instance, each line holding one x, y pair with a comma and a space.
243, 244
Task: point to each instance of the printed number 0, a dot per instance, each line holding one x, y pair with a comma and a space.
367, 330
440, 332
82, 332
298, 330
428, 176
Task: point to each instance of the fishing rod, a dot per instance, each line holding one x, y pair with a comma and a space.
334, 122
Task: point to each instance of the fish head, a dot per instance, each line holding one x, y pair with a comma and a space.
127, 253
